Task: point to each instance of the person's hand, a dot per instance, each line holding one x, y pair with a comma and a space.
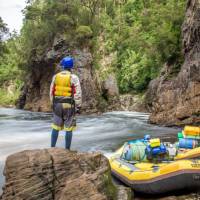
78, 110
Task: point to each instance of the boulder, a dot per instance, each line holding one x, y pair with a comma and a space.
58, 174
129, 102
110, 86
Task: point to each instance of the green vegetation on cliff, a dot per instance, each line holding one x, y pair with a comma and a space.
145, 35
142, 34
74, 20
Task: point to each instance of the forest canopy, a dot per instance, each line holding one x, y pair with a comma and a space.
144, 34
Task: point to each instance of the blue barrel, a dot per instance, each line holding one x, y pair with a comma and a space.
187, 143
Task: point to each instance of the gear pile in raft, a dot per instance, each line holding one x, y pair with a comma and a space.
151, 166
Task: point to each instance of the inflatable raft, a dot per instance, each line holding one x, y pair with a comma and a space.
139, 170
157, 178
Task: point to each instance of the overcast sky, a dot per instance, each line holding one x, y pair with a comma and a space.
10, 12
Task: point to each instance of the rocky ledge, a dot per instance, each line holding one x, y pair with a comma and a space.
61, 175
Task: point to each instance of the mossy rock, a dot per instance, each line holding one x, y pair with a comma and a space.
116, 192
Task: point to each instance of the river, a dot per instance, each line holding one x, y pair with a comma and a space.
22, 130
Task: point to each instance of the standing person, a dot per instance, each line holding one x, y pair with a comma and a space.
65, 96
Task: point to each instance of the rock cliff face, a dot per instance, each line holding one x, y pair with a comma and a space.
35, 94
57, 174
177, 101
98, 95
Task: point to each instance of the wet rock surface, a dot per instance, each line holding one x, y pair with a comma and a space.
177, 101
61, 175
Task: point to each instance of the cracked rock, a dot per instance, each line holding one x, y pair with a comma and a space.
58, 174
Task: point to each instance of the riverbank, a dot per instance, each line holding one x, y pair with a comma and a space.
125, 102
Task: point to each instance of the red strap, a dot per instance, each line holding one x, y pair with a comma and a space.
73, 89
53, 90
